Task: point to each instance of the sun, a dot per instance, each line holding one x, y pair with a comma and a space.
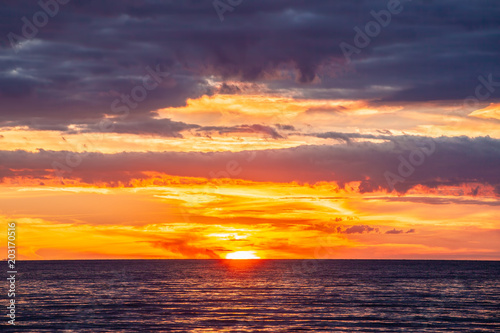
242, 255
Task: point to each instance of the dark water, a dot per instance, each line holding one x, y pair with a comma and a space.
257, 296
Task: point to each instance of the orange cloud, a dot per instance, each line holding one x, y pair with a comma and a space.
490, 112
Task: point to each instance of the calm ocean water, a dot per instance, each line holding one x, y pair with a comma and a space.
257, 296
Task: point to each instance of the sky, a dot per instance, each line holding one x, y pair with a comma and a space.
140, 129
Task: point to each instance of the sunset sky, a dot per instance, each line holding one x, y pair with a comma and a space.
177, 129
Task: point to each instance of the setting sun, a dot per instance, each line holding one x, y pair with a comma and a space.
242, 255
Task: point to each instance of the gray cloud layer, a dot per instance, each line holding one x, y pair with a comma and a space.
454, 161
93, 51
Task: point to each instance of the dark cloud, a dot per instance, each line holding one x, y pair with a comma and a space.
475, 191
142, 125
394, 232
337, 109
229, 89
93, 51
352, 229
357, 229
455, 161
397, 232
346, 137
147, 126
285, 127
256, 128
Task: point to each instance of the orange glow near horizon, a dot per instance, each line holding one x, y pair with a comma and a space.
183, 218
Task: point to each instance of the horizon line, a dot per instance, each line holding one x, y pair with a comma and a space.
260, 259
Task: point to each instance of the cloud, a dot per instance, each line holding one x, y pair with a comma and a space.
256, 128
92, 52
397, 232
394, 232
146, 126
352, 229
357, 229
457, 160
229, 89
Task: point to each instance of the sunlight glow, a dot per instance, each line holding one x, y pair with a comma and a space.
242, 255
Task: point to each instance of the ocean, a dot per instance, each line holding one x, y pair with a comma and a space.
256, 296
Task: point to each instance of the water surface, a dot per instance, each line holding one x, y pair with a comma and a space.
258, 296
